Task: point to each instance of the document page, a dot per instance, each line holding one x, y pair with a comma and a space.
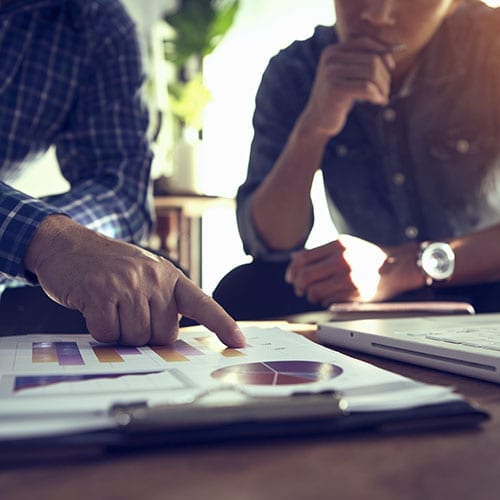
59, 383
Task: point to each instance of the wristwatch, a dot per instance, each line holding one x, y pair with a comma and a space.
437, 261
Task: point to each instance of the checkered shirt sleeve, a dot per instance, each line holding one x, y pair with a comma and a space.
83, 96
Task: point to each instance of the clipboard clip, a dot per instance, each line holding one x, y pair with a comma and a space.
228, 405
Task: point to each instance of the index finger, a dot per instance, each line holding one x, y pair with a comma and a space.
370, 44
379, 48
304, 258
195, 304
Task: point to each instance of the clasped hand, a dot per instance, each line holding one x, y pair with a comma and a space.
350, 269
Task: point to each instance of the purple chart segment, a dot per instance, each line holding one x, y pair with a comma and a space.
63, 353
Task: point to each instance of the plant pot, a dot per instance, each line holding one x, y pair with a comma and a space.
186, 177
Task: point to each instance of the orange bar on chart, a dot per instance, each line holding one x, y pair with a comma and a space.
215, 345
44, 352
169, 354
232, 353
107, 354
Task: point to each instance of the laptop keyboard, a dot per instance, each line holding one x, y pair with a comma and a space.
484, 336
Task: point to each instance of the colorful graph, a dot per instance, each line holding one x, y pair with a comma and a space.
63, 353
277, 373
70, 354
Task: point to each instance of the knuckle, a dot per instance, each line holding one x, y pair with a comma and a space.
105, 335
140, 335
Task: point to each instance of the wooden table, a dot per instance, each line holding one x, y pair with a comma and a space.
441, 465
179, 227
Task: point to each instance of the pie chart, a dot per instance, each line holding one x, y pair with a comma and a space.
277, 373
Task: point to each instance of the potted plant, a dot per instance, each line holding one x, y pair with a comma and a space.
197, 27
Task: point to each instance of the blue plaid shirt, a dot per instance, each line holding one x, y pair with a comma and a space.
70, 77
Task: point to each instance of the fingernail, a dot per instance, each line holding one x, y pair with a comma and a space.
239, 337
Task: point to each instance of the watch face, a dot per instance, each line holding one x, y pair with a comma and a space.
438, 261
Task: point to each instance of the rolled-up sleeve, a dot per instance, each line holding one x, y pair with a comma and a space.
281, 97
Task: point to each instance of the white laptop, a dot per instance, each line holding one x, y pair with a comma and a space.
464, 344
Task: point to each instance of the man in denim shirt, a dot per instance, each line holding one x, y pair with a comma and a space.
399, 106
71, 77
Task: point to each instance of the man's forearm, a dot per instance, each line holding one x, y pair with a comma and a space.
55, 235
477, 257
477, 260
281, 206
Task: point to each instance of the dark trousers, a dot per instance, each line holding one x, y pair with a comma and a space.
258, 291
29, 310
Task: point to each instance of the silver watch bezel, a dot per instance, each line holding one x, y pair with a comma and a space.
437, 261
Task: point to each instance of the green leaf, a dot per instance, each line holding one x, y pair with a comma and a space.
199, 25
189, 100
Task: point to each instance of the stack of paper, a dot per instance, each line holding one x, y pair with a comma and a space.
59, 384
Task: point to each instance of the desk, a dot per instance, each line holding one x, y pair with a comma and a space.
179, 228
450, 464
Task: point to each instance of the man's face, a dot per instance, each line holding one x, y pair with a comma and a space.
393, 22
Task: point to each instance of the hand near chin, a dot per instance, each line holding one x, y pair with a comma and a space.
126, 294
350, 269
348, 72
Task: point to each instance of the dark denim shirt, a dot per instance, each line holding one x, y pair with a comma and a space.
426, 166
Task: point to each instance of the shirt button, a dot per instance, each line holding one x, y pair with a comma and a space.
389, 115
342, 151
462, 146
398, 179
411, 232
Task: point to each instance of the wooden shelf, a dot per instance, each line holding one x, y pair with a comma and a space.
179, 228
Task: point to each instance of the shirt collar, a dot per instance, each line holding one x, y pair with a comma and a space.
440, 61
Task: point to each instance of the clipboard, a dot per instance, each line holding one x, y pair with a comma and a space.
300, 415
137, 426
209, 397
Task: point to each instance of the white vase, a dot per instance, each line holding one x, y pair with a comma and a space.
186, 177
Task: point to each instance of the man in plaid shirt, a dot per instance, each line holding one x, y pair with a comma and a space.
70, 77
